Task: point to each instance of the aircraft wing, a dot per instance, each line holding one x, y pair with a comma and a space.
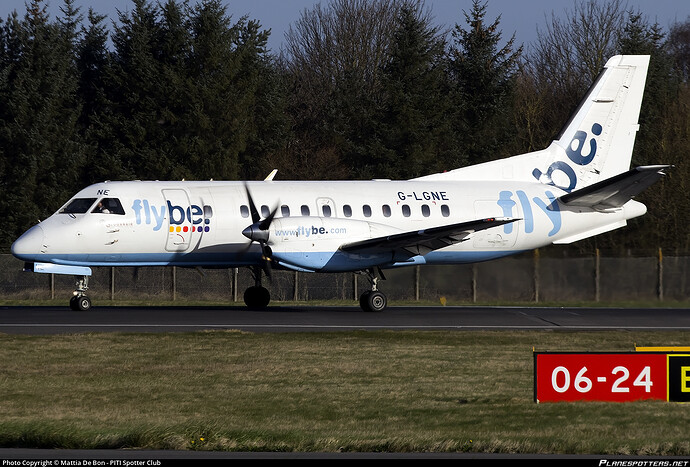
614, 192
421, 242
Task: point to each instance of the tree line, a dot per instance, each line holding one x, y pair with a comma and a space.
361, 89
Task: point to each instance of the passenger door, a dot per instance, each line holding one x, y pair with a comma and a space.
179, 227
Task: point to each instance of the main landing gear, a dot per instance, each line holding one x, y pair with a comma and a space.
256, 297
373, 300
80, 301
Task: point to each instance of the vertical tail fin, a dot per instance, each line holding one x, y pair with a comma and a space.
594, 145
598, 140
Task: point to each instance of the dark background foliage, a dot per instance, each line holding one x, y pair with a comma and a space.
362, 89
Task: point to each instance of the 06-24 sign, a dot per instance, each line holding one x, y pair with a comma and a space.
615, 377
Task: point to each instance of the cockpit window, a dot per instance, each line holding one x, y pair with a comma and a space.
109, 206
78, 206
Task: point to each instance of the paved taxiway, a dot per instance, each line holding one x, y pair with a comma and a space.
58, 320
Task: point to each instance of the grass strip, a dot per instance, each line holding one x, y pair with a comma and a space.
382, 391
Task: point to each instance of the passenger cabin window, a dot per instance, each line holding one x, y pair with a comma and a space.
78, 206
386, 210
265, 212
326, 210
109, 206
366, 209
406, 210
244, 211
426, 212
347, 210
285, 210
305, 210
445, 210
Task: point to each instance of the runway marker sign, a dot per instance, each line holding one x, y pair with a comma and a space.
611, 376
679, 378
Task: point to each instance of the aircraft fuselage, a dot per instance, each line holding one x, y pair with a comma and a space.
201, 223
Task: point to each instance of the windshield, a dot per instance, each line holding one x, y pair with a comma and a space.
109, 206
78, 206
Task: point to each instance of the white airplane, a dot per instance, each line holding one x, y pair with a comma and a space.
578, 187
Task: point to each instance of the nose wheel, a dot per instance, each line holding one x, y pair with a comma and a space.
80, 301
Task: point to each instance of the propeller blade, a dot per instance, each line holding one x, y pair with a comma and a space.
266, 256
258, 231
266, 223
252, 207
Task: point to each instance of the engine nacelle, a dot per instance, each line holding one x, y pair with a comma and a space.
312, 243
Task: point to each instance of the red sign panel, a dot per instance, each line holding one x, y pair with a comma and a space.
614, 377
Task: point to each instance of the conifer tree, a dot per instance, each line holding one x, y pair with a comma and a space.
415, 119
223, 94
483, 76
136, 87
93, 64
42, 152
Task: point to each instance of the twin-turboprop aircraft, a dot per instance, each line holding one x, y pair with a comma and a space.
578, 187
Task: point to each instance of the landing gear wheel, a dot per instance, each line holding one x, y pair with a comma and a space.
257, 297
80, 303
373, 300
364, 300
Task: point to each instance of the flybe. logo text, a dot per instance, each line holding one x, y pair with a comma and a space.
574, 151
507, 202
181, 219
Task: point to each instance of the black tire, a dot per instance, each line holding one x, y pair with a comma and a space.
364, 300
373, 301
80, 303
257, 298
377, 301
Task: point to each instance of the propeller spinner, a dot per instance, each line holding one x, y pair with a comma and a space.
259, 230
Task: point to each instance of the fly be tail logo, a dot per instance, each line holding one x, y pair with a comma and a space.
560, 173
193, 218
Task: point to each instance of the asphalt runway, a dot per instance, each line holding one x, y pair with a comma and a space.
154, 319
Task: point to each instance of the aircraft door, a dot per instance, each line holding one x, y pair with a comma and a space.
179, 229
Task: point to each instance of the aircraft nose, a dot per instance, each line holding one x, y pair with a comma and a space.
31, 243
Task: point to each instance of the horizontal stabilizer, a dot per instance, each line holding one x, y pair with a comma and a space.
614, 192
421, 242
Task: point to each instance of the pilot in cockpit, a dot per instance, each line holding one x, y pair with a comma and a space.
102, 209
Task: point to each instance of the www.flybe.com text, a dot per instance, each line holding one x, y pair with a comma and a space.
307, 231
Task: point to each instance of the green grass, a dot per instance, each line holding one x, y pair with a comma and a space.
350, 391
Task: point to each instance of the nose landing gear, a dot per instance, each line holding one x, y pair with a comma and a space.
80, 301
